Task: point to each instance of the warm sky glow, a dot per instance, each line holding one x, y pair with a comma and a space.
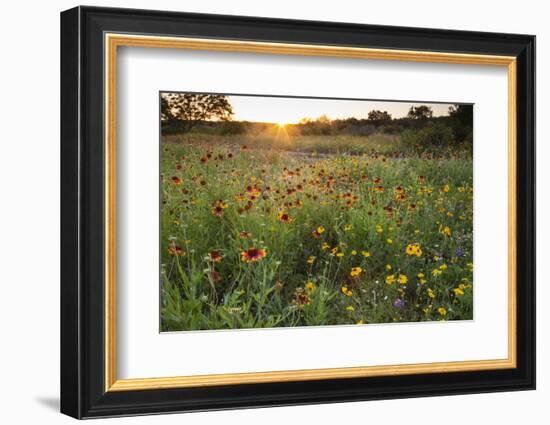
284, 110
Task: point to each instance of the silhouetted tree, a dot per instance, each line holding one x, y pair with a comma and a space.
463, 114
190, 109
462, 121
421, 112
379, 116
323, 119
165, 112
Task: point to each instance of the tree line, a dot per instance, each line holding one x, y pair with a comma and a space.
184, 112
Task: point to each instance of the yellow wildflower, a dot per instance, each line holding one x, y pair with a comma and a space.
347, 292
356, 271
310, 286
413, 249
445, 230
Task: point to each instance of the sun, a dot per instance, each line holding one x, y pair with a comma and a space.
281, 130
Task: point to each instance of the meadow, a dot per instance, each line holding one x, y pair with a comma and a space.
313, 230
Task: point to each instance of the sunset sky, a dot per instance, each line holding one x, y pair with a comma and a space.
287, 110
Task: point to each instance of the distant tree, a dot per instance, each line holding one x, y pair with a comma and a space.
421, 112
323, 119
191, 109
166, 114
462, 121
463, 114
322, 125
351, 121
379, 117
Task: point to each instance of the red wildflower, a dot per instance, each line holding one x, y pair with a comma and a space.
176, 250
215, 256
301, 298
215, 276
252, 255
218, 207
285, 217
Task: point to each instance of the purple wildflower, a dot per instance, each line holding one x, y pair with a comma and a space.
399, 303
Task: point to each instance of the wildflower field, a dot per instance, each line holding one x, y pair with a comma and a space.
366, 232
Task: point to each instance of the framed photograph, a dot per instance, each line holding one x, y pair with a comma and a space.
261, 212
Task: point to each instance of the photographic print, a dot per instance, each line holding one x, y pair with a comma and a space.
288, 211
328, 212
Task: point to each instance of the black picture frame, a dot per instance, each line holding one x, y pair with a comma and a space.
82, 212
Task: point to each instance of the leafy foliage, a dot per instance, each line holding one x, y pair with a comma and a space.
462, 122
431, 137
190, 109
421, 112
379, 117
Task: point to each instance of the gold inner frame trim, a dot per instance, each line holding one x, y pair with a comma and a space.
113, 41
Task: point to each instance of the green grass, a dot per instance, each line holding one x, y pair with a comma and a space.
279, 140
324, 181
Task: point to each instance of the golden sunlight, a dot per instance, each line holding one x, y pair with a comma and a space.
281, 131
